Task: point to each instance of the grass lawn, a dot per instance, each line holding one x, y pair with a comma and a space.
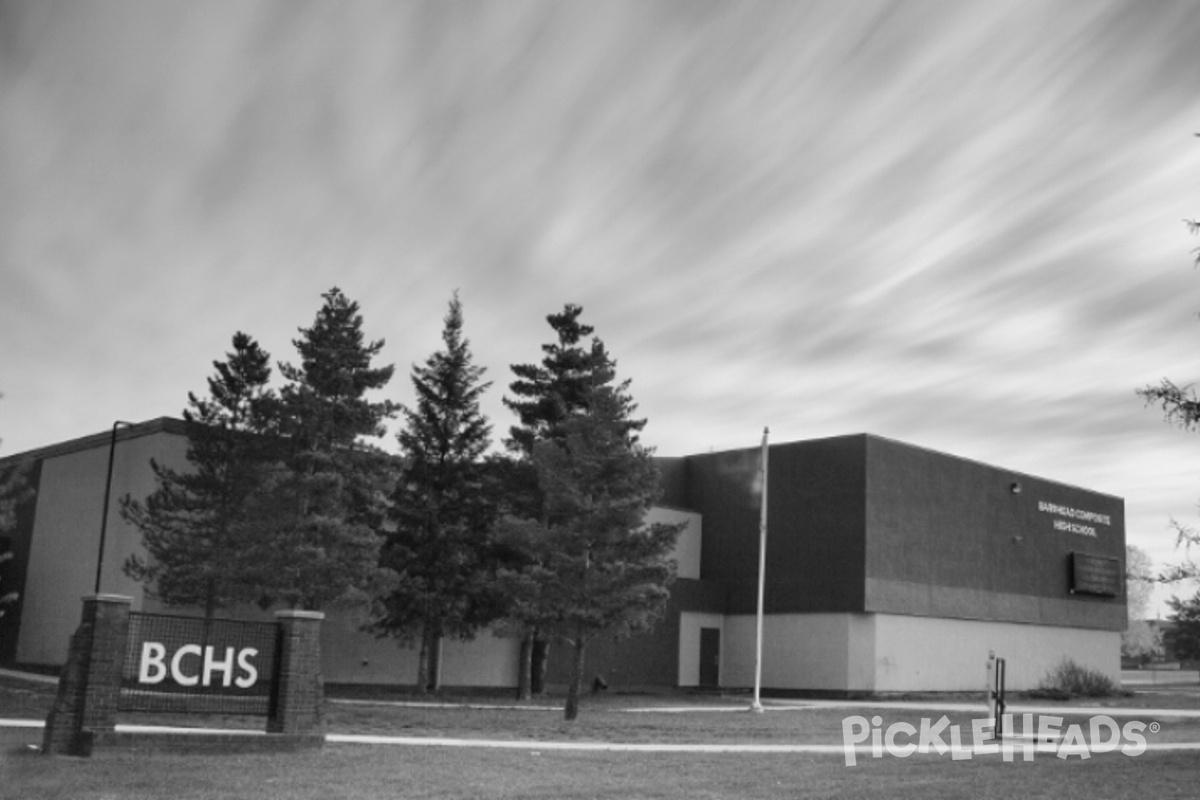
362, 771
389, 771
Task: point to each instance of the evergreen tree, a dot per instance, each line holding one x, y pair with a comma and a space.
441, 508
598, 568
546, 396
7, 595
14, 490
573, 396
199, 522
328, 496
550, 393
1181, 407
325, 408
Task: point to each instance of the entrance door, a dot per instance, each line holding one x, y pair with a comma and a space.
710, 656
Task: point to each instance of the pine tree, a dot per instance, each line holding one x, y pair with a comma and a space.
599, 569
546, 397
198, 524
550, 393
1180, 407
329, 494
14, 491
579, 432
324, 404
7, 595
441, 508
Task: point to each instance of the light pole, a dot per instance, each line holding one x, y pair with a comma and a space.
112, 449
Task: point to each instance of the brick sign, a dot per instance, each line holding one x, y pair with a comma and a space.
189, 664
120, 660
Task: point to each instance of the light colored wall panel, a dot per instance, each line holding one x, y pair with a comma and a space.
861, 648
895, 653
800, 651
349, 655
737, 651
950, 655
690, 623
487, 660
66, 537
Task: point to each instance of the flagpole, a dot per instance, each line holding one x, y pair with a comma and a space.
756, 706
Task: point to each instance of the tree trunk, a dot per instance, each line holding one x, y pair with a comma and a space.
435, 661
210, 598
423, 662
572, 708
525, 666
539, 661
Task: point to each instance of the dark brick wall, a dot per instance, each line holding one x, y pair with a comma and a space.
672, 481
723, 488
950, 537
90, 685
816, 522
299, 692
865, 524
816, 527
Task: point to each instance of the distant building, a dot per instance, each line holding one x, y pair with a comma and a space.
889, 568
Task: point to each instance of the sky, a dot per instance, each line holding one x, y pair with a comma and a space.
954, 224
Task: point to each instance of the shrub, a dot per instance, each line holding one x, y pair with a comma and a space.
1069, 680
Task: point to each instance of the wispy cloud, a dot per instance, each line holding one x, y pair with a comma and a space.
954, 224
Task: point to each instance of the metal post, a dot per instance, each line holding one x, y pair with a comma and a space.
1001, 704
996, 700
756, 706
112, 449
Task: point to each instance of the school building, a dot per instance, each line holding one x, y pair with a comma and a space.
889, 568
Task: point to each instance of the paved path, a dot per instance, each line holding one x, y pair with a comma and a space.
810, 705
1012, 708
1160, 677
1011, 751
770, 706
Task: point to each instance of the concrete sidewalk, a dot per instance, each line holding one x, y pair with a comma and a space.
32, 677
1007, 750
1011, 708
774, 705
1144, 678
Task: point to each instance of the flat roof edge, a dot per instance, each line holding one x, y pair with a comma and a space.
869, 437
123, 433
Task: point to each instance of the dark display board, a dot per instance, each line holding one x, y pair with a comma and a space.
193, 665
1092, 574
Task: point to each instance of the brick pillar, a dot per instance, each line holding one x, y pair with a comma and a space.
299, 692
90, 685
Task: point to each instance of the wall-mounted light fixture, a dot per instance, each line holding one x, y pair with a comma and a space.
1015, 488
